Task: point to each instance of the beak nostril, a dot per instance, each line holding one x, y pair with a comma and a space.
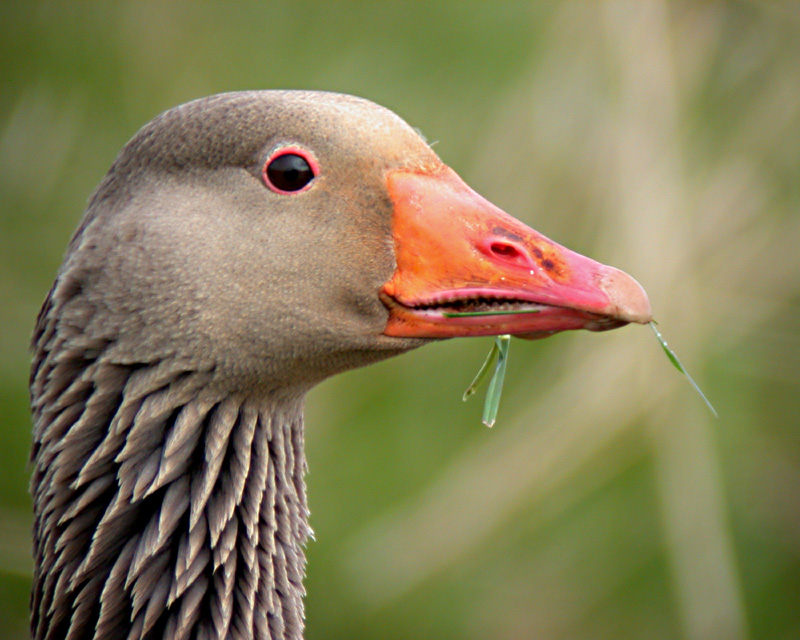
508, 252
505, 250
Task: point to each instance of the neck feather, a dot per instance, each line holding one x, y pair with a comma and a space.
163, 508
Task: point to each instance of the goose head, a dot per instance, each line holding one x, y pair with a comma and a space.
281, 237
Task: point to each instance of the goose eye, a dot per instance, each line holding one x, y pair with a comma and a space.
289, 170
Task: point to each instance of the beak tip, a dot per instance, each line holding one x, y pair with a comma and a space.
628, 299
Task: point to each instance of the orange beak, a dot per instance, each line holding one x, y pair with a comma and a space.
464, 268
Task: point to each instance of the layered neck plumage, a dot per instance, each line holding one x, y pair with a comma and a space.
164, 508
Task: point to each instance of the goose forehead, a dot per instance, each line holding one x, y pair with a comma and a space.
342, 123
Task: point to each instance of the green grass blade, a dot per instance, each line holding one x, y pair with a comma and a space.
677, 364
472, 314
495, 389
487, 364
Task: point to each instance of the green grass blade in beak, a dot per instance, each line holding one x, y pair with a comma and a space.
479, 377
472, 314
495, 389
677, 364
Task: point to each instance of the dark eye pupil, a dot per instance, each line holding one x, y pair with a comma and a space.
289, 172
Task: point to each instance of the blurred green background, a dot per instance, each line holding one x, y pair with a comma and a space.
659, 137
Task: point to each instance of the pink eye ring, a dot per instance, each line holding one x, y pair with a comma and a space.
290, 170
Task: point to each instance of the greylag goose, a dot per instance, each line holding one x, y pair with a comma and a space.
242, 248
